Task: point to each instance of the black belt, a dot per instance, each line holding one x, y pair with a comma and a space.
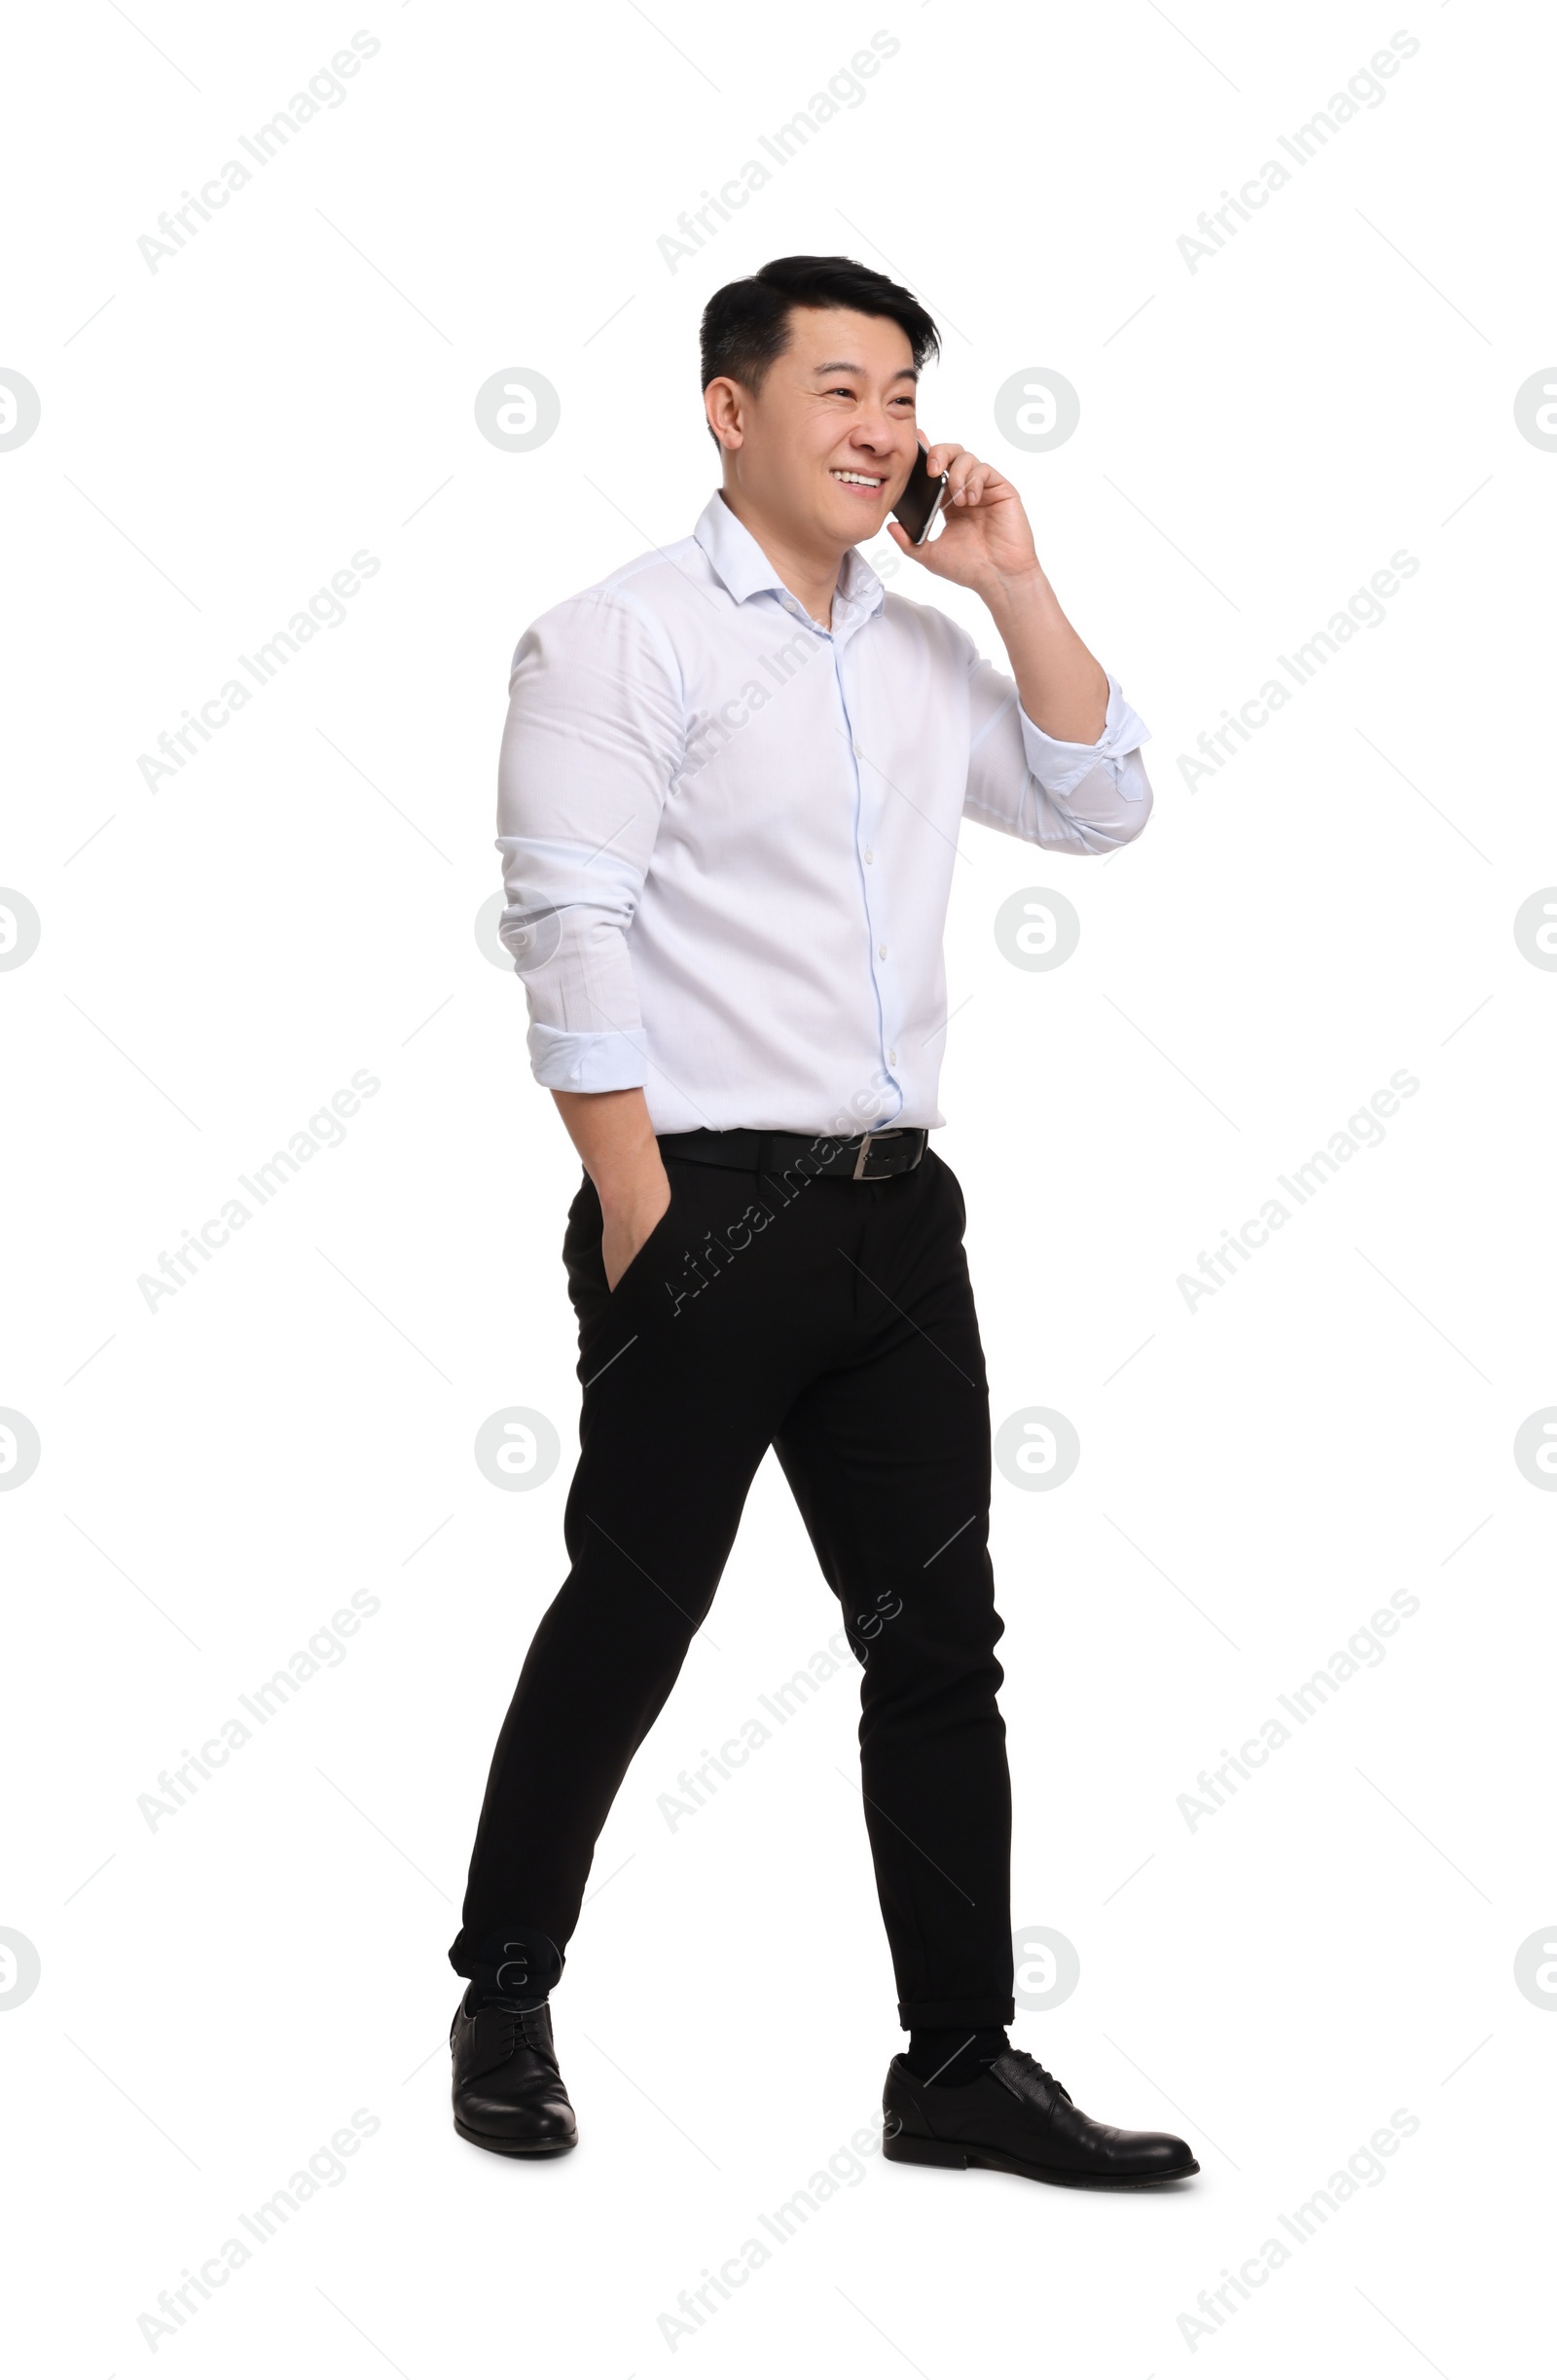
866, 1157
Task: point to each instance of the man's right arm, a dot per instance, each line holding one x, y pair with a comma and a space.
594, 737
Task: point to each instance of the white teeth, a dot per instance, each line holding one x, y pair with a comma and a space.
857, 479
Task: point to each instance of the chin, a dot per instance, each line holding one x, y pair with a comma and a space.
856, 521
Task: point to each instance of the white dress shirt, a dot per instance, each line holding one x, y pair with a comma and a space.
728, 834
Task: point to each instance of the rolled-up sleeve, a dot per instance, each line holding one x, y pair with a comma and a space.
1070, 797
594, 736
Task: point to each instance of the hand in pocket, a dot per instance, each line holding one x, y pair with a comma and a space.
627, 1229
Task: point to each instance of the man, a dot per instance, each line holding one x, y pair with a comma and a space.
730, 792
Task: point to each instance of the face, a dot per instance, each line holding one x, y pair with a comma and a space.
826, 445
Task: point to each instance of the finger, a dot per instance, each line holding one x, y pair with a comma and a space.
970, 479
941, 459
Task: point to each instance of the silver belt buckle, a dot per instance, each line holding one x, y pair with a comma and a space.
859, 1174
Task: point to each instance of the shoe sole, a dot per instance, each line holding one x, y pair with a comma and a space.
514, 2149
905, 2148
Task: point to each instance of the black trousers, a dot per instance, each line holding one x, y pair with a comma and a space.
834, 1321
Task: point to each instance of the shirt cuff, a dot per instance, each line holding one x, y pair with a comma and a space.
1060, 766
588, 1061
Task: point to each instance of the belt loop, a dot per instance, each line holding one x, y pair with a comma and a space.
764, 1154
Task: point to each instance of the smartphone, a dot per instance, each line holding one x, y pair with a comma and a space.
918, 506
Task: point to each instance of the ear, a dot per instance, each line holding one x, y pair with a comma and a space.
724, 404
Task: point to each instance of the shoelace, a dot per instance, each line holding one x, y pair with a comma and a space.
520, 2029
1026, 2058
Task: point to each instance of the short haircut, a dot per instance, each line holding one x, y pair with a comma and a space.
745, 325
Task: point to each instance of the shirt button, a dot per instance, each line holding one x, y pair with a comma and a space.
881, 950
892, 1058
869, 857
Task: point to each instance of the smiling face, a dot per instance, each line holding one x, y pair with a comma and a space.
825, 446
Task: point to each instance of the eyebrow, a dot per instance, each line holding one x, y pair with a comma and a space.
907, 372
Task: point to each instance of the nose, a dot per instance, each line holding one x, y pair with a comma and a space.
876, 429
874, 437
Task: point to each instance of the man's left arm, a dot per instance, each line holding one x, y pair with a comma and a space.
1078, 737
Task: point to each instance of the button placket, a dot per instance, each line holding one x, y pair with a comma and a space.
865, 825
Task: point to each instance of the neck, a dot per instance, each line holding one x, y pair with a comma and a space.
809, 571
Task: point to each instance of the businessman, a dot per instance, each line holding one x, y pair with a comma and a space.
731, 786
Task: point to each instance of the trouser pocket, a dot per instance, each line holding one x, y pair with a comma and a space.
584, 1260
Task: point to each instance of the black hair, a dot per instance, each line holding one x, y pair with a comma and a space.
745, 325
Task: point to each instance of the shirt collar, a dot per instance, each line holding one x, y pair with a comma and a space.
743, 570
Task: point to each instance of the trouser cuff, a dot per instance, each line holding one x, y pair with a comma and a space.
516, 1962
938, 2013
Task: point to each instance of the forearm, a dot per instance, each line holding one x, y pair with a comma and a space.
1063, 690
613, 1136
615, 1140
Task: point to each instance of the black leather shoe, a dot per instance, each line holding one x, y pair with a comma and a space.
509, 2095
1018, 2120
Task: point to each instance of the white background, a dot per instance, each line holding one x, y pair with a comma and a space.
218, 957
